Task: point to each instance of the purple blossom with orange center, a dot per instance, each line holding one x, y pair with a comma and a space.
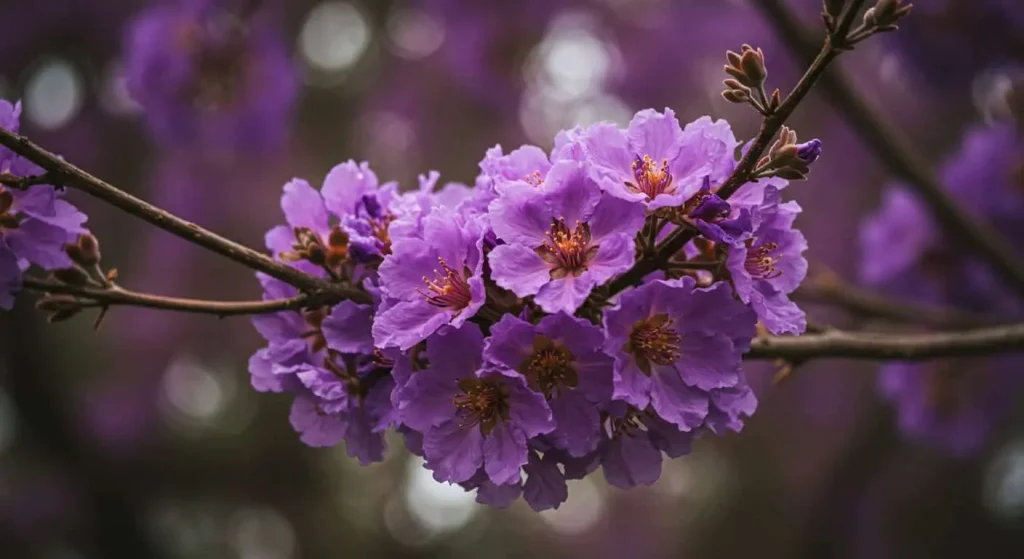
768, 265
655, 161
322, 225
562, 238
35, 223
561, 357
432, 281
472, 416
211, 77
675, 345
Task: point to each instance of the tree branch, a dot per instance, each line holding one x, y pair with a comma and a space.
122, 297
897, 153
741, 175
886, 345
64, 173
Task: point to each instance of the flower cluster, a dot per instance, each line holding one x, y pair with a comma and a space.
35, 223
493, 344
954, 404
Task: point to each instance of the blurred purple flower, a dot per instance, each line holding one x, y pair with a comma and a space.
210, 78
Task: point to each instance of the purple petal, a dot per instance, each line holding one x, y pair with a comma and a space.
578, 424
454, 454
519, 269
303, 206
675, 402
570, 192
614, 256
347, 328
316, 428
566, 294
345, 186
521, 215
613, 216
631, 384
408, 323
498, 496
708, 361
511, 342
504, 454
628, 461
655, 134
545, 486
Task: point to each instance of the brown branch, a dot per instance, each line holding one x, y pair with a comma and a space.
886, 345
867, 303
63, 173
742, 174
898, 154
100, 297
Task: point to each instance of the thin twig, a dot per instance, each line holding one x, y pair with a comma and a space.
886, 345
899, 155
867, 303
123, 297
67, 174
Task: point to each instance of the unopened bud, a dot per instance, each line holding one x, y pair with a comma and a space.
71, 276
809, 152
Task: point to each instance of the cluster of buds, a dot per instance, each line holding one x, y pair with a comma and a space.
880, 18
85, 271
787, 159
746, 85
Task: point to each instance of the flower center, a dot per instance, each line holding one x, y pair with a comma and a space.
760, 262
448, 289
567, 250
651, 178
7, 218
653, 340
549, 368
535, 179
379, 229
482, 402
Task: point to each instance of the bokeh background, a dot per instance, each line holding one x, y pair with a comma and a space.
144, 439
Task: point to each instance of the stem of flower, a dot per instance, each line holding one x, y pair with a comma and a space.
898, 154
97, 297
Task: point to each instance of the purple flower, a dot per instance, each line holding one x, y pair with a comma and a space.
562, 238
655, 161
35, 223
208, 78
326, 229
343, 403
675, 345
894, 239
561, 357
472, 417
431, 281
952, 404
809, 152
769, 265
